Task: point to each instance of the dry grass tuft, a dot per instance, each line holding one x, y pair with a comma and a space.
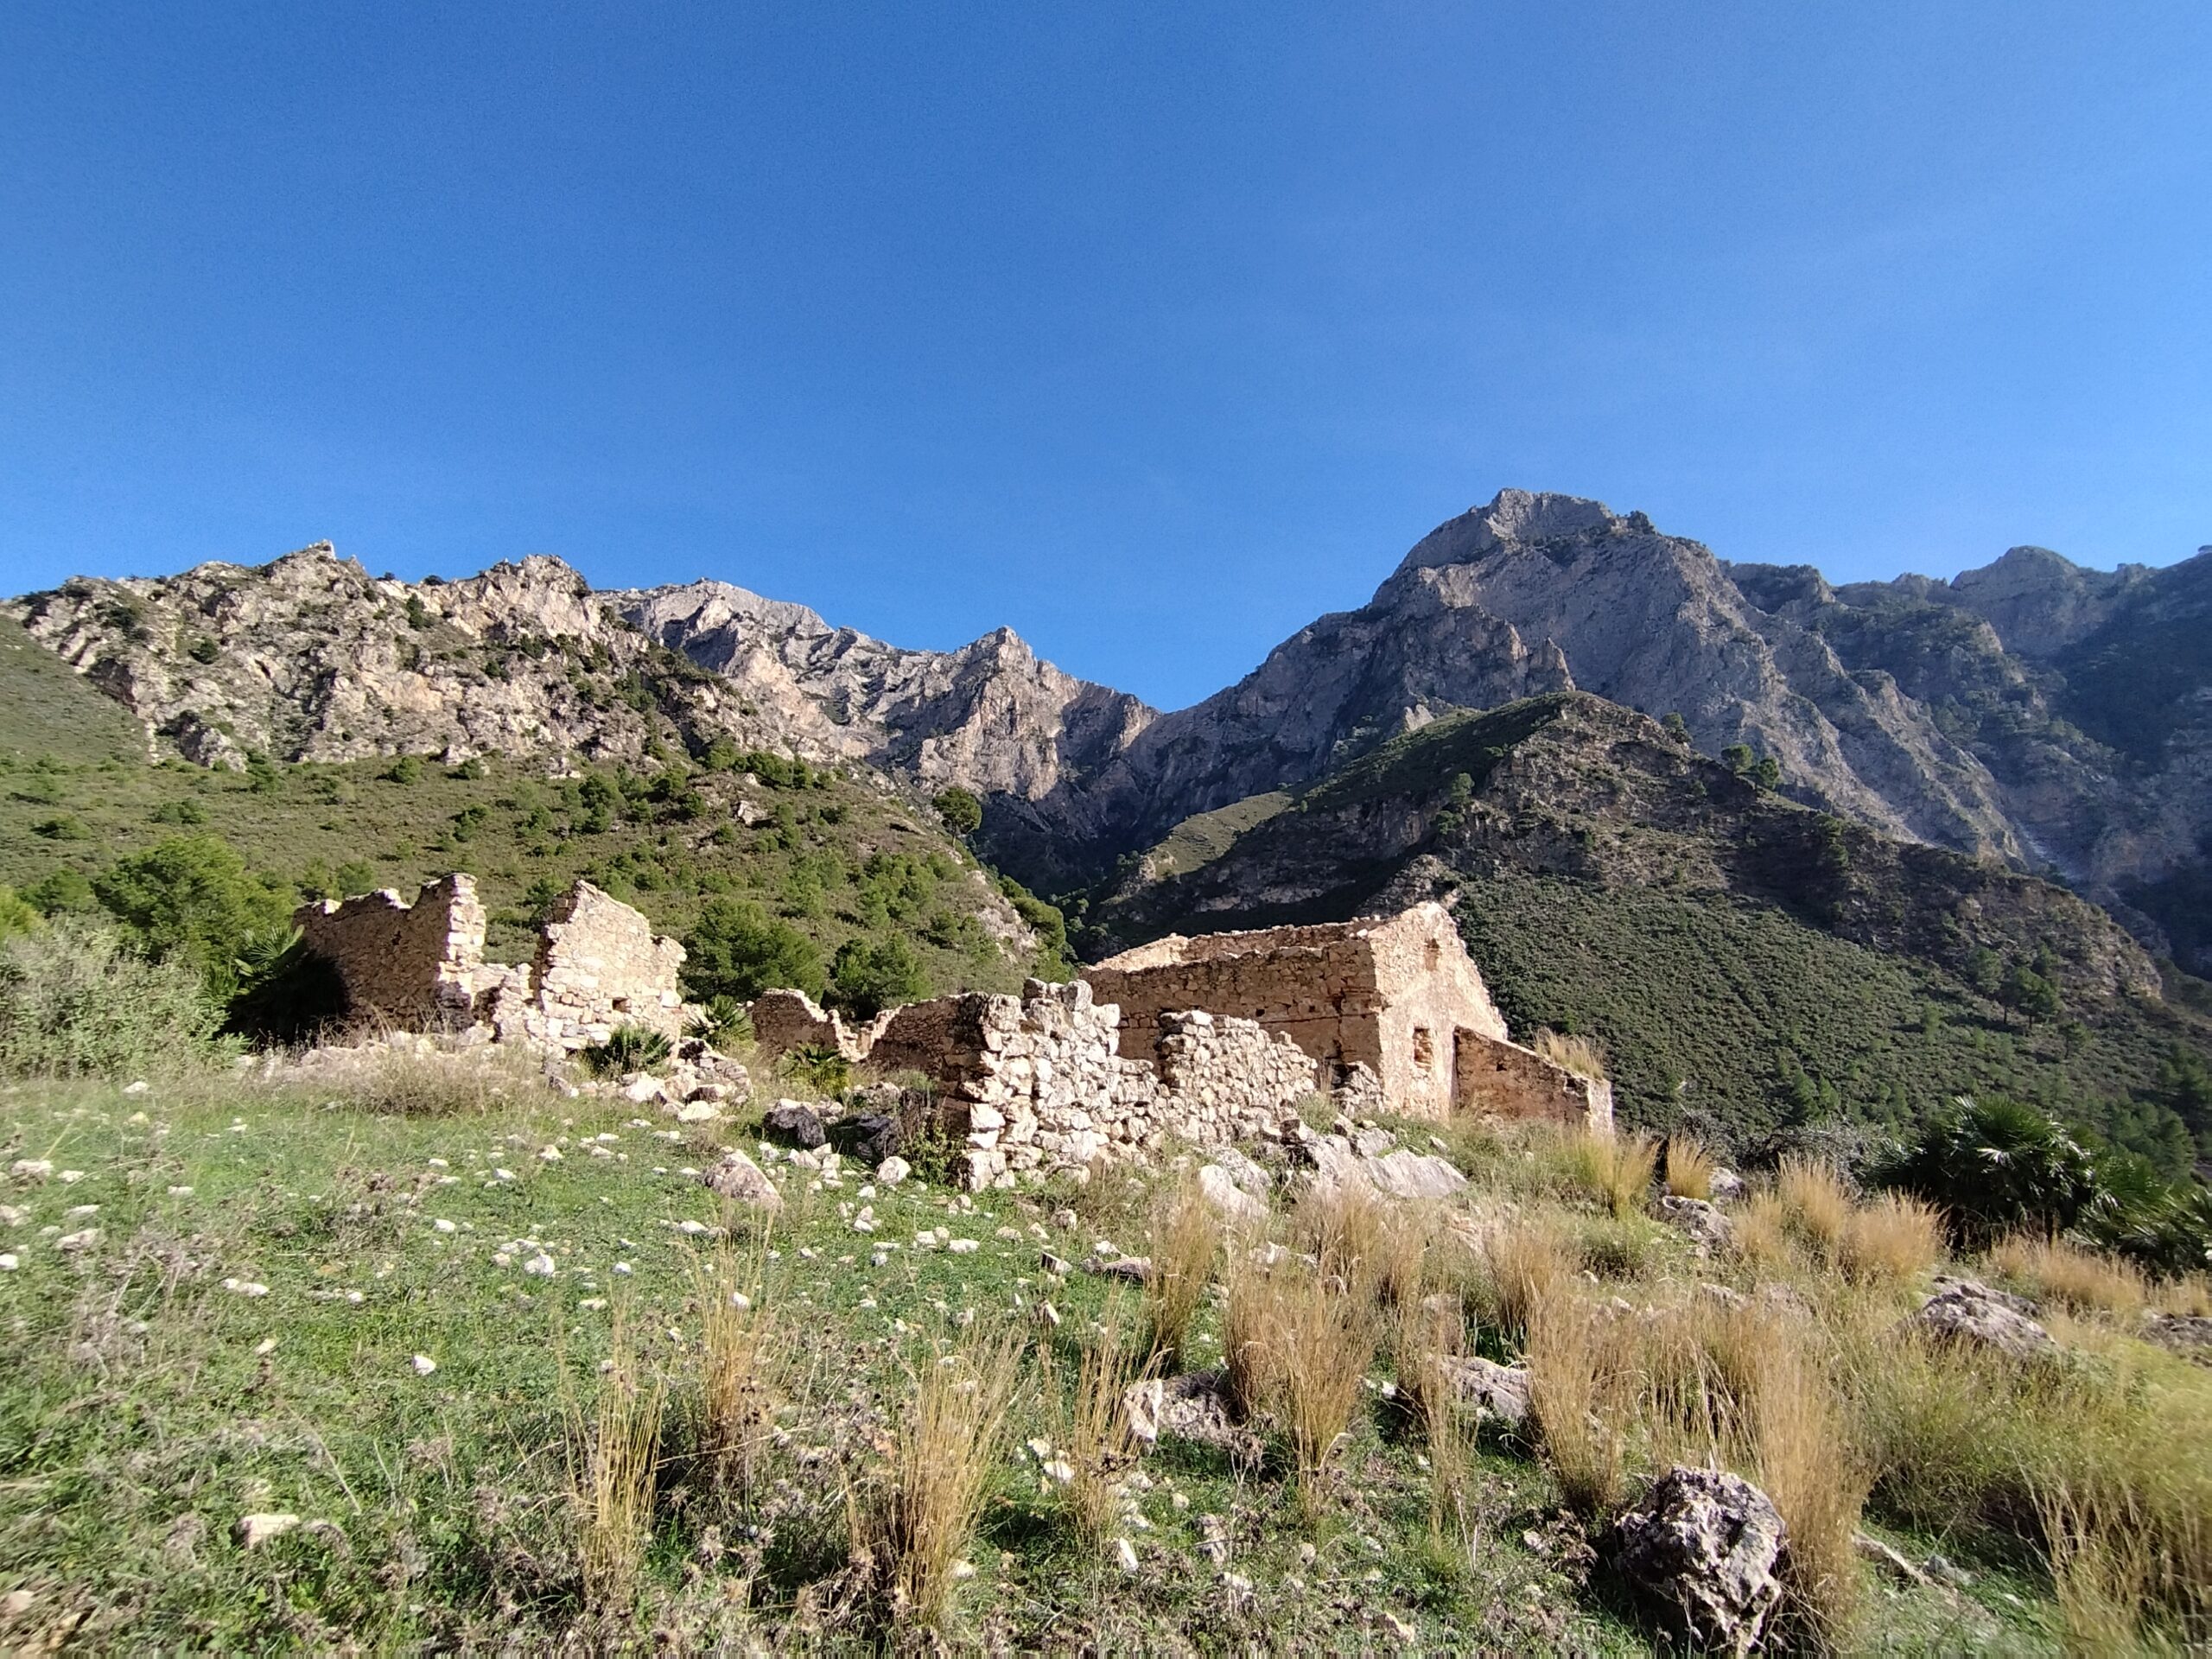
1762, 1234
739, 1346
1569, 1384
1344, 1226
1615, 1169
415, 1079
1689, 1168
1801, 1449
1580, 1055
1101, 1445
1530, 1265
1186, 1238
2085, 1280
912, 1536
1890, 1240
1817, 1201
614, 1473
1298, 1349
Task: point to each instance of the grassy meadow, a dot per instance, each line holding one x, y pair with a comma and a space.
525, 1381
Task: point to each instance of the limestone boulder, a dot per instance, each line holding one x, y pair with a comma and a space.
1193, 1406
1497, 1391
738, 1179
1407, 1174
1701, 1221
1968, 1312
1702, 1546
1228, 1200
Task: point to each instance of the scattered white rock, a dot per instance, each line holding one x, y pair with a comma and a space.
1228, 1200
73, 1243
741, 1181
31, 1169
244, 1288
1125, 1553
252, 1531
179, 1192
549, 1155
539, 1266
424, 1365
8, 1261
964, 1247
70, 1176
12, 1216
444, 1226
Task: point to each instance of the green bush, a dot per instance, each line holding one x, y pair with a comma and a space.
961, 812
407, 769
871, 975
18, 914
1992, 1165
60, 891
286, 994
75, 1001
193, 898
737, 950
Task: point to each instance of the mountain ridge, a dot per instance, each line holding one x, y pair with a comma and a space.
1992, 713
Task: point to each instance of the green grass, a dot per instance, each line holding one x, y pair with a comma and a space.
144, 1408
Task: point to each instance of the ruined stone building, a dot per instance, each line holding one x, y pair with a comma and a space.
1041, 1081
421, 966
1398, 996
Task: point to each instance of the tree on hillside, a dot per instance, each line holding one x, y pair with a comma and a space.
737, 950
961, 812
193, 898
2029, 995
871, 975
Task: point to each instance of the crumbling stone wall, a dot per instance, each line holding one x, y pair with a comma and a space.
599, 967
784, 1021
1038, 1082
1397, 995
418, 966
1506, 1080
422, 966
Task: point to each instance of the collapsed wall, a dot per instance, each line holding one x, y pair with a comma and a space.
417, 966
1038, 1082
421, 966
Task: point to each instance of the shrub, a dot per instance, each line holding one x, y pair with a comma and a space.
961, 812
76, 1001
871, 975
18, 914
193, 899
737, 950
628, 1048
62, 890
406, 769
1993, 1165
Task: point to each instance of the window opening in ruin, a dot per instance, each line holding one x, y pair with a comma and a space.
1435, 954
1424, 1047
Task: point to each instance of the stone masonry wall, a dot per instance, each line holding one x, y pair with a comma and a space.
417, 966
1506, 1080
600, 967
1038, 1082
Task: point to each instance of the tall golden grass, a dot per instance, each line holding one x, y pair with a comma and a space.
1186, 1238
1689, 1168
739, 1347
2084, 1280
913, 1528
1615, 1169
614, 1470
1101, 1447
1298, 1349
1569, 1396
1889, 1240
1816, 1202
1528, 1266
1580, 1055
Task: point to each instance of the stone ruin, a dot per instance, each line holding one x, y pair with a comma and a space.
1039, 1082
1211, 1041
1395, 998
421, 966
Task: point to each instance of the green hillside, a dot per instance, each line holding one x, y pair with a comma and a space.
837, 854
1750, 966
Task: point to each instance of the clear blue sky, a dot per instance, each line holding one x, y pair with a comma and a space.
1151, 331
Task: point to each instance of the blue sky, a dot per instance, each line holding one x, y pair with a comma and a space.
1151, 331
